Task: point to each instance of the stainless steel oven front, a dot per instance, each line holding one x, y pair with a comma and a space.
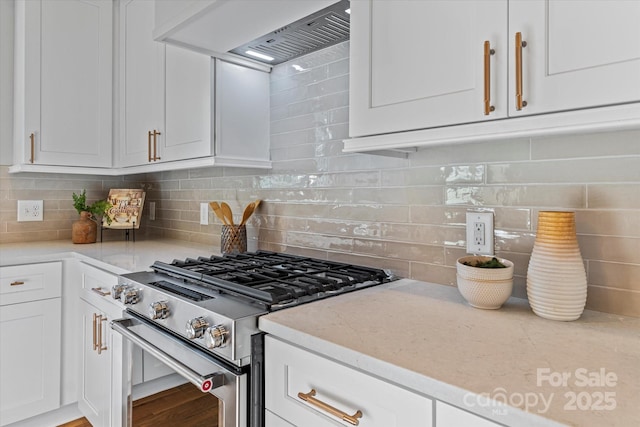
228, 383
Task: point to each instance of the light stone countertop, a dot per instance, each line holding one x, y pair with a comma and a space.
119, 256
426, 338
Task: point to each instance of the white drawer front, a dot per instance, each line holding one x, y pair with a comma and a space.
30, 282
96, 286
290, 370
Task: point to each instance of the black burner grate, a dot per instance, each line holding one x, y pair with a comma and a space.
274, 278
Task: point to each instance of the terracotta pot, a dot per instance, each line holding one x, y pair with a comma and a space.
84, 230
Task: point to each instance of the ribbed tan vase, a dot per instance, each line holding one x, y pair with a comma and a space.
556, 279
84, 230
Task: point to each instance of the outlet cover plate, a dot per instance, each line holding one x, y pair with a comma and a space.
480, 233
30, 210
204, 214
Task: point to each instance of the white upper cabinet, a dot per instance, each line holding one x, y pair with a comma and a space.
422, 73
578, 54
165, 94
417, 64
63, 83
184, 109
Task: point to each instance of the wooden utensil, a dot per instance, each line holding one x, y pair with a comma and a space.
218, 211
248, 211
226, 211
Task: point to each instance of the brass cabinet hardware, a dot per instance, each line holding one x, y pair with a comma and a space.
520, 103
351, 419
149, 149
154, 133
99, 345
155, 145
17, 283
32, 137
97, 333
95, 322
488, 108
99, 291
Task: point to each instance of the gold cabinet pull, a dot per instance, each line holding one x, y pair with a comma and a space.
488, 108
95, 334
32, 138
155, 145
520, 104
99, 291
351, 419
99, 345
17, 283
149, 148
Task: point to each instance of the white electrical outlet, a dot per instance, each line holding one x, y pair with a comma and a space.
152, 211
480, 233
204, 214
30, 210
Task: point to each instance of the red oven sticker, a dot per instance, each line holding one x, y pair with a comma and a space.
206, 385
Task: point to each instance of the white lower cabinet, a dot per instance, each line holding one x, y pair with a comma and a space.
307, 390
30, 336
94, 398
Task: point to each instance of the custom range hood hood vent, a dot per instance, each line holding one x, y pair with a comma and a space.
322, 29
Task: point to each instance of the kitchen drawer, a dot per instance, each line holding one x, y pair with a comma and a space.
30, 282
290, 370
96, 286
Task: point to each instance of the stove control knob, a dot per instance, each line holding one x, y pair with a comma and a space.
116, 291
216, 336
159, 310
196, 327
130, 295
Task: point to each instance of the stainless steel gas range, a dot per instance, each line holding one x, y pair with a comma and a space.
200, 318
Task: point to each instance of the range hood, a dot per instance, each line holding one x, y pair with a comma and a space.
322, 29
281, 29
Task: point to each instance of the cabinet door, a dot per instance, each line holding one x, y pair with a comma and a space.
64, 82
94, 400
578, 54
29, 368
188, 108
242, 115
420, 64
142, 82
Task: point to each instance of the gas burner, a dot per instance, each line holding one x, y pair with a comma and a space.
272, 278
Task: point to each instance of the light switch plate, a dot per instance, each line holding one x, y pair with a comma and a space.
480, 233
30, 210
204, 214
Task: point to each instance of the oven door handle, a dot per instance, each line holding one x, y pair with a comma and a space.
205, 382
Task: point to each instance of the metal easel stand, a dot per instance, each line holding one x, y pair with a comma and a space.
128, 232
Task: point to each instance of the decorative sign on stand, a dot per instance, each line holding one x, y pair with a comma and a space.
126, 211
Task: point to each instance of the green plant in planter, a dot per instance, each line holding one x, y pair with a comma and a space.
492, 263
96, 209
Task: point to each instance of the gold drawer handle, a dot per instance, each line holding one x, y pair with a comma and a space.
17, 283
351, 419
99, 291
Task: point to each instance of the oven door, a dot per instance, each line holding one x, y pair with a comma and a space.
205, 372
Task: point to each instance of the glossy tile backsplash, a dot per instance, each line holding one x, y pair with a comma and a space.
404, 214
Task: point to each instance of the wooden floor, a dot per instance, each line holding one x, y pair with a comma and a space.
183, 406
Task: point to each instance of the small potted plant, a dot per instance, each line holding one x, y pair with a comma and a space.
85, 230
485, 282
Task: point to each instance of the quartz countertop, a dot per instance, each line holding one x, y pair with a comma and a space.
119, 256
426, 338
